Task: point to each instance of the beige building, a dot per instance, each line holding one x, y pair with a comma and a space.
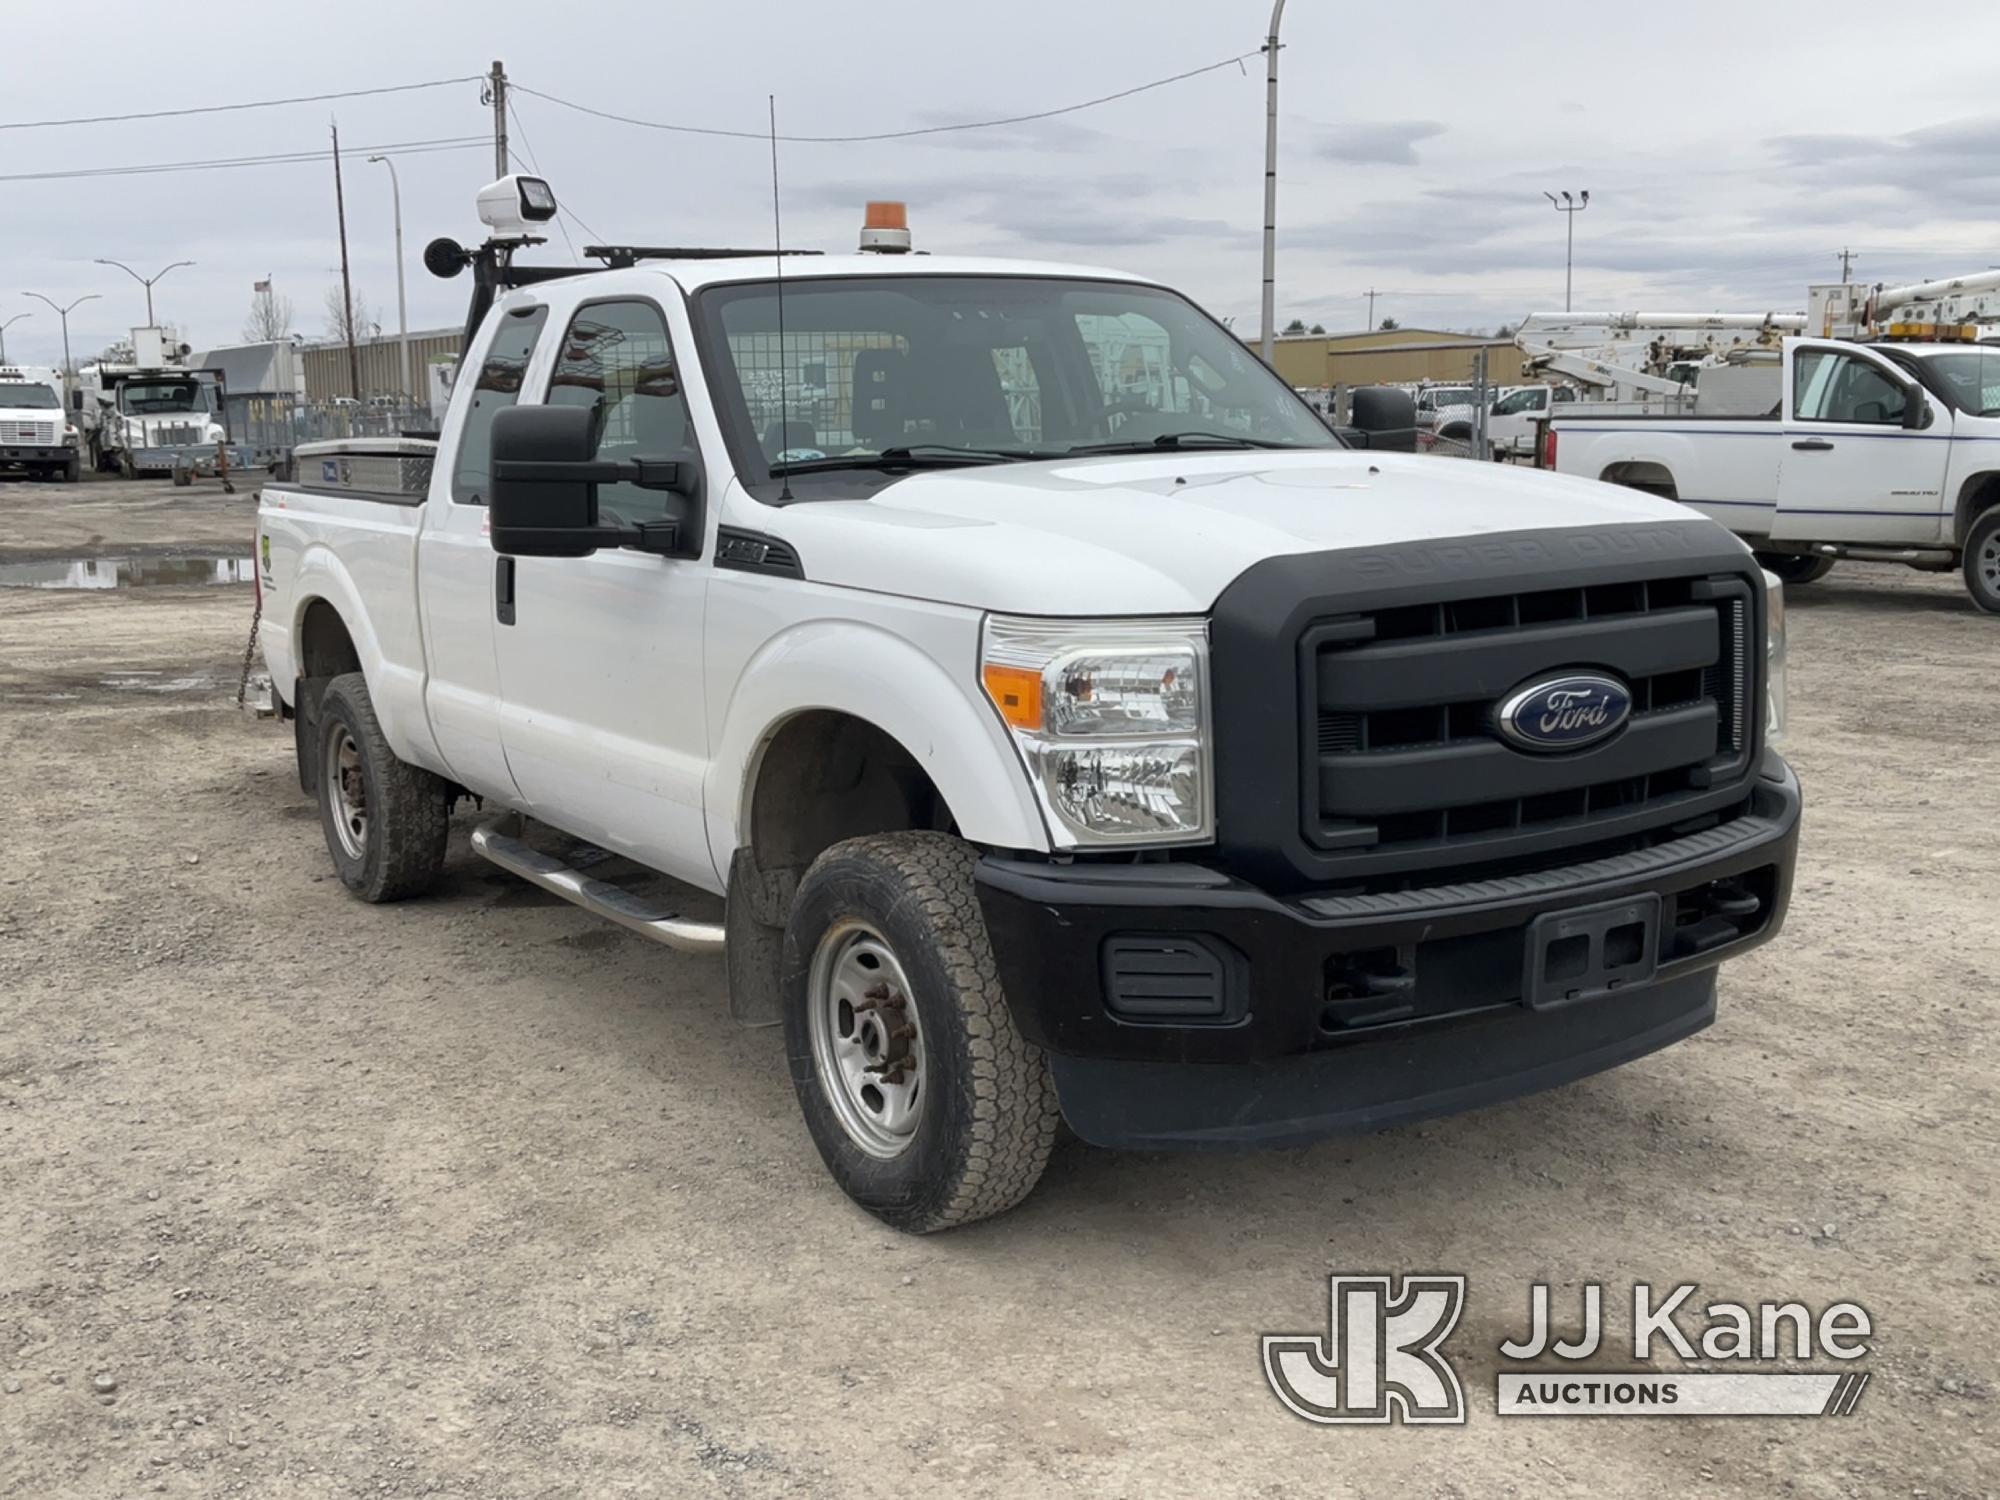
1393, 356
327, 374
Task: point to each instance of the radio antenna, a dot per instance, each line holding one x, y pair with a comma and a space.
784, 376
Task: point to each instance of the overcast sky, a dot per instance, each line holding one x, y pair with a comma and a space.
1730, 149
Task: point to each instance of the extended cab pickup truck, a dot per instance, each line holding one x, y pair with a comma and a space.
1879, 452
1074, 725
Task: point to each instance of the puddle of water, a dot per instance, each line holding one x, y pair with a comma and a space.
126, 572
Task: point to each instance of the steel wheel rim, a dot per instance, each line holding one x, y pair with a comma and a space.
347, 792
1989, 561
867, 1043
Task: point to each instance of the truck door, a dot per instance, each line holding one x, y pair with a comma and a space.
1850, 469
458, 572
601, 656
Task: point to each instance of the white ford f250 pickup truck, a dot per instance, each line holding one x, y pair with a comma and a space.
1075, 726
1879, 452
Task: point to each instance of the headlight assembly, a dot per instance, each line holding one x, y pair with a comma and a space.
1111, 718
1774, 660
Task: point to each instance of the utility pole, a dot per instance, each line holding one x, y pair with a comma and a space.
1371, 309
346, 281
1270, 179
496, 88
403, 384
69, 366
1569, 208
1847, 259
145, 281
3, 333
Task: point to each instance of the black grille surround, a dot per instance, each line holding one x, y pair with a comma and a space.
1354, 692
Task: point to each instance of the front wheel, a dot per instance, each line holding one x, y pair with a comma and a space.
927, 1105
1794, 568
1982, 562
385, 821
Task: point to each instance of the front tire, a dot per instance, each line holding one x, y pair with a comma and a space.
385, 821
1982, 561
1793, 568
927, 1105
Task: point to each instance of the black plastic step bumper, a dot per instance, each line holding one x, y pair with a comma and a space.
1181, 1007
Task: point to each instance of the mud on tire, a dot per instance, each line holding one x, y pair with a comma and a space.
385, 821
988, 1115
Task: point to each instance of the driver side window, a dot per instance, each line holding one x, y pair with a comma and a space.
1828, 386
617, 360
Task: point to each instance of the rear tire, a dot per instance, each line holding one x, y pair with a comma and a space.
1982, 561
1794, 569
70, 472
385, 821
891, 990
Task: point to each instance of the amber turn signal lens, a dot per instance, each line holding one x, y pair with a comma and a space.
1017, 693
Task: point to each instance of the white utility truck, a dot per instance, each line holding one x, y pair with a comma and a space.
1067, 734
151, 414
1879, 452
36, 436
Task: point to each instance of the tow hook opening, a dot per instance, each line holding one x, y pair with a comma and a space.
1711, 916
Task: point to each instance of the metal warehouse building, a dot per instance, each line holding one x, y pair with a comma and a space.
1392, 356
326, 371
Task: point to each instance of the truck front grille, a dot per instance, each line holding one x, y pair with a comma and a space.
41, 434
1406, 768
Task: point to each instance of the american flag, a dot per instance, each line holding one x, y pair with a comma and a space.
260, 286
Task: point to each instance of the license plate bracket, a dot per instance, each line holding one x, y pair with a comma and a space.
1589, 952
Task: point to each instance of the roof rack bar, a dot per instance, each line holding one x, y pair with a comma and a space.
617, 257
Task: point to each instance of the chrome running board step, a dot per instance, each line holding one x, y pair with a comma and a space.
595, 896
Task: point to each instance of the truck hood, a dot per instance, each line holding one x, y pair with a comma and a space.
1166, 534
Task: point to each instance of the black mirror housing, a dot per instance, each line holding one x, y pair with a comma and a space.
542, 501
1387, 416
535, 511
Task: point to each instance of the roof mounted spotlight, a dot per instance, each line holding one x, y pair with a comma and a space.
512, 206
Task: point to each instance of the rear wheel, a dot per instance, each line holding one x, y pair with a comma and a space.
1982, 562
69, 472
385, 821
927, 1105
1794, 567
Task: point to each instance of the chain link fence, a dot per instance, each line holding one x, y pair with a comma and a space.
270, 427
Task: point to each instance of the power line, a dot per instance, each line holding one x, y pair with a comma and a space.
562, 212
216, 109
283, 158
892, 135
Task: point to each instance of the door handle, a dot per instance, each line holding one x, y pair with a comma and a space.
1813, 445
503, 590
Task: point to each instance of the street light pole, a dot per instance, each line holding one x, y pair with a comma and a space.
3, 333
402, 307
1271, 180
1569, 208
63, 313
145, 281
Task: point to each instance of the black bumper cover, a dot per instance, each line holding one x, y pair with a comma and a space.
1293, 1056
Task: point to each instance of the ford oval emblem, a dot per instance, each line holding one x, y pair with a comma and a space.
1565, 713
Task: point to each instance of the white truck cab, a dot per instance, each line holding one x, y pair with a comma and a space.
1878, 452
1072, 725
36, 434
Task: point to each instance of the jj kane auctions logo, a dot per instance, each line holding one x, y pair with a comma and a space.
1383, 1359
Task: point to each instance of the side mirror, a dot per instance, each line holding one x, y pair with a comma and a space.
542, 501
1916, 408
1386, 418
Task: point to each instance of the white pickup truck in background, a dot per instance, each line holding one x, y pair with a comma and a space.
1878, 452
1070, 723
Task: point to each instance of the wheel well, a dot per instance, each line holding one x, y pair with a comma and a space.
1642, 474
1976, 496
325, 647
827, 776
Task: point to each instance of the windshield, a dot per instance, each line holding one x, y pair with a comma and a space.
15, 394
881, 371
148, 396
1972, 378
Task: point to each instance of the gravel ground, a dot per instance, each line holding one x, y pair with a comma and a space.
476, 1196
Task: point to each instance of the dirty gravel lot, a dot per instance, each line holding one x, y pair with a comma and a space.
475, 1196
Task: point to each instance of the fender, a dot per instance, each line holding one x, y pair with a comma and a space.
880, 678
396, 688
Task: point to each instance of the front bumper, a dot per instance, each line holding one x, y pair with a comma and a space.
36, 453
200, 458
1350, 1012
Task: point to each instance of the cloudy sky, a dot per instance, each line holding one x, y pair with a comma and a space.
1730, 149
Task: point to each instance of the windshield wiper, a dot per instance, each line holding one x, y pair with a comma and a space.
1169, 441
910, 456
